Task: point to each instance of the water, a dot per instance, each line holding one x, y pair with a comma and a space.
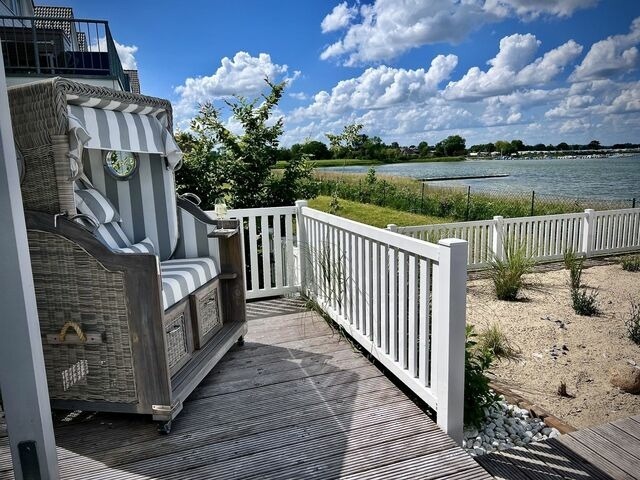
607, 178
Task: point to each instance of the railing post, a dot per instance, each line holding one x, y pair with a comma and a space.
392, 227
588, 226
303, 245
449, 325
498, 233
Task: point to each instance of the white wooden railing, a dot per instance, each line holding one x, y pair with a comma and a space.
269, 245
401, 299
546, 238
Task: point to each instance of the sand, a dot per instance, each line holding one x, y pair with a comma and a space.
591, 344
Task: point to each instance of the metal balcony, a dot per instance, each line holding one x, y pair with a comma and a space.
54, 46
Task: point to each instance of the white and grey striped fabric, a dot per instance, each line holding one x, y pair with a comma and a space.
146, 201
105, 129
91, 202
145, 246
112, 236
184, 276
193, 241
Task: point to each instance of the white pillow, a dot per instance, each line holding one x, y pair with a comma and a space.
145, 246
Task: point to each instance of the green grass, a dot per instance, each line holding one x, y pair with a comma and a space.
374, 215
334, 162
341, 162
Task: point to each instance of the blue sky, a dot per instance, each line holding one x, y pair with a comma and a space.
409, 70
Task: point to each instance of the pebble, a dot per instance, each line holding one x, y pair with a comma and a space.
505, 426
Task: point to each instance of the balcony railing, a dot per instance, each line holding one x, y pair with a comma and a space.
52, 46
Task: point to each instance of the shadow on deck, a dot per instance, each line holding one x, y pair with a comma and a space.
609, 451
296, 401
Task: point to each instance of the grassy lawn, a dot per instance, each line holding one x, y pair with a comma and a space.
373, 214
334, 162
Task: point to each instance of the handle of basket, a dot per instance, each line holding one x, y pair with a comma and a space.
76, 328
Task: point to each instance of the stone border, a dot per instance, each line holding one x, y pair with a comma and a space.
535, 410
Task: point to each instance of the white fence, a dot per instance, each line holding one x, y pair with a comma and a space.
545, 238
402, 299
268, 243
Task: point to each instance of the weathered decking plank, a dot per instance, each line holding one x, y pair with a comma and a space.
297, 401
609, 451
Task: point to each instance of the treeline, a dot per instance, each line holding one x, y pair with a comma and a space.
352, 143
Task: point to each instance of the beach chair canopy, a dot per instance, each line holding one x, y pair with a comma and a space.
114, 126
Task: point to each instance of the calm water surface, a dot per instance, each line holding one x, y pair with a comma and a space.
614, 177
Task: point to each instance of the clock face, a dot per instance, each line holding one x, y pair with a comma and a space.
121, 165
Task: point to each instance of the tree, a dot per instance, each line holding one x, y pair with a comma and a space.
504, 147
314, 149
562, 146
423, 149
450, 146
594, 145
238, 166
345, 142
518, 145
203, 171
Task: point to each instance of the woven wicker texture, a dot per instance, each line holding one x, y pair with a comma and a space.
71, 286
40, 126
209, 312
176, 335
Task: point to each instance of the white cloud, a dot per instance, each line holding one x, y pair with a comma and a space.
381, 87
387, 28
513, 68
612, 56
530, 9
241, 75
339, 17
127, 55
299, 95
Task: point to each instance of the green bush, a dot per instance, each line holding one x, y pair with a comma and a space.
575, 265
585, 303
633, 323
507, 273
494, 340
631, 263
477, 393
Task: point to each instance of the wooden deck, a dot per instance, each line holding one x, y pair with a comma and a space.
296, 401
610, 451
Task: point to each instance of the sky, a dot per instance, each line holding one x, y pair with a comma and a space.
543, 71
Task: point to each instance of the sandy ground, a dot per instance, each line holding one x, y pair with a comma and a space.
591, 345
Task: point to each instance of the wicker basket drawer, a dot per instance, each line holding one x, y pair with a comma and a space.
177, 335
206, 312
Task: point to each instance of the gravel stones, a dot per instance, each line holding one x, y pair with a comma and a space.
506, 426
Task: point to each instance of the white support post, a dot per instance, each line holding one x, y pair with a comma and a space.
497, 245
392, 227
588, 227
23, 380
449, 325
303, 245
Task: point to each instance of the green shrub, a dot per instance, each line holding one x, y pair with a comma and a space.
633, 323
507, 273
631, 263
477, 393
575, 265
494, 340
585, 303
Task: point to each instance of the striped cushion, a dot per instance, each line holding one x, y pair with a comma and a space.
91, 202
184, 276
145, 246
112, 235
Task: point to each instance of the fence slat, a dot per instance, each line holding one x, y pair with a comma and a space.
545, 238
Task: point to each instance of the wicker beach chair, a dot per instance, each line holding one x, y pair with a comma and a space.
139, 292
